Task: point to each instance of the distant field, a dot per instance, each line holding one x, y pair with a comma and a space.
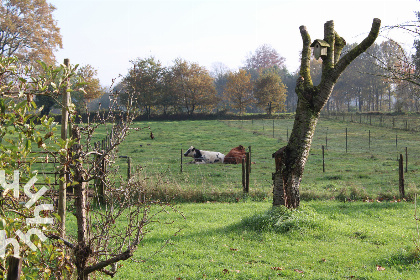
365, 170
369, 168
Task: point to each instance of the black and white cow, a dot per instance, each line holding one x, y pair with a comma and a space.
201, 156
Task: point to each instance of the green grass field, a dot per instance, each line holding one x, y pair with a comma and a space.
342, 230
323, 240
364, 171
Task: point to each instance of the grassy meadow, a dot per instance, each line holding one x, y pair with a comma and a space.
350, 226
248, 240
369, 169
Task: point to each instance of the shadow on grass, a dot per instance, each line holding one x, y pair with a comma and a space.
279, 220
402, 260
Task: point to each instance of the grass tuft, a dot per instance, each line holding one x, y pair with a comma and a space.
283, 220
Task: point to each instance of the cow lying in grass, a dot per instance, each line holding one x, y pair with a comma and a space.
201, 156
235, 155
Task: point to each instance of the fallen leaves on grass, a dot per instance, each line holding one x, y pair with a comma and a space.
380, 268
298, 271
277, 268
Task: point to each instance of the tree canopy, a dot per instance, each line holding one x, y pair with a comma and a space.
264, 56
270, 91
238, 90
29, 31
194, 86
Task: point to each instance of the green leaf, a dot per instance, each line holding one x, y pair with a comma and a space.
21, 104
2, 106
28, 145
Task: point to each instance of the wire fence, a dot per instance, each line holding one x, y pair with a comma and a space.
351, 153
401, 122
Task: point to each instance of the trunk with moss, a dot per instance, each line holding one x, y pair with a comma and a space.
291, 160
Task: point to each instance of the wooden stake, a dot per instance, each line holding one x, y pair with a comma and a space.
248, 163
63, 182
346, 139
181, 160
401, 177
15, 268
243, 175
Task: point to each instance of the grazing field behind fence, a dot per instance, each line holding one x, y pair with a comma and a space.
360, 161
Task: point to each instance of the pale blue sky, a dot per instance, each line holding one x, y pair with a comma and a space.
109, 33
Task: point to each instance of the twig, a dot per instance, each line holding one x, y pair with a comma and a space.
67, 243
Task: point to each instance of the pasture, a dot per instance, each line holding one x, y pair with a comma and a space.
350, 225
369, 168
246, 240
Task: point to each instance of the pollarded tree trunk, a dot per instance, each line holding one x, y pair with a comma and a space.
291, 159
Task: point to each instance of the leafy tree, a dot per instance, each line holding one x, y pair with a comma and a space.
264, 56
270, 91
194, 86
362, 83
144, 83
238, 90
291, 160
91, 88
28, 30
220, 73
46, 103
82, 93
168, 100
390, 55
402, 69
289, 80
21, 132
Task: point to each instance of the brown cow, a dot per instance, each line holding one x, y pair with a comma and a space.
235, 155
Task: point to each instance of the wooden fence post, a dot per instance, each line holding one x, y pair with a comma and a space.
62, 192
250, 155
243, 175
406, 160
181, 160
14, 268
247, 168
401, 177
346, 139
323, 159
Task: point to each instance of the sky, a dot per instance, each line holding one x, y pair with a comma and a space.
108, 34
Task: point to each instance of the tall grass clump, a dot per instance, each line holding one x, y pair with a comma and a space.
283, 220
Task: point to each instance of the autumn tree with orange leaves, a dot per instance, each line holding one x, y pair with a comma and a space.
29, 31
238, 90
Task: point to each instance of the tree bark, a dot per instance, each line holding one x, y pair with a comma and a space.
311, 100
82, 250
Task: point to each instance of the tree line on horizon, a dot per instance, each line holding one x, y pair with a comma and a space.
385, 78
264, 84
